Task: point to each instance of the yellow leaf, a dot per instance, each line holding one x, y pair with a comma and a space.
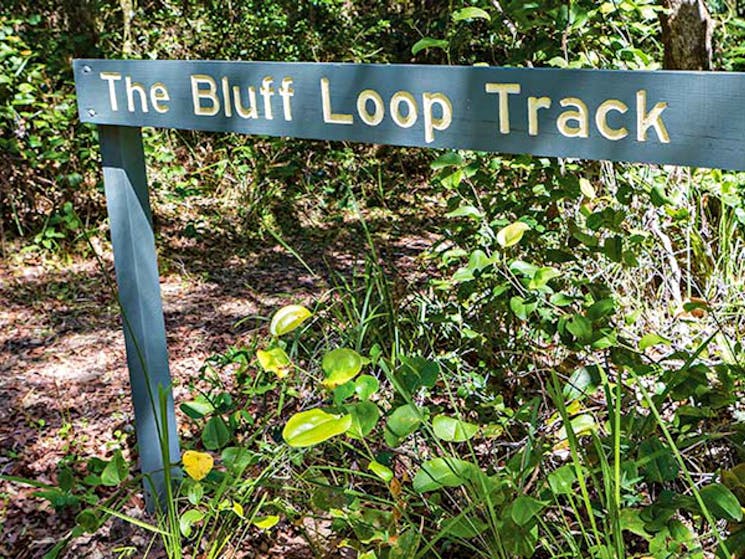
197, 464
274, 360
586, 188
238, 509
267, 522
287, 319
512, 234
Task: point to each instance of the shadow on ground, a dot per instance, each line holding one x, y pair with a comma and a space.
63, 381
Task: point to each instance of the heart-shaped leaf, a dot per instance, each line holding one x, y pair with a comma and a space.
341, 365
383, 472
216, 433
197, 464
266, 522
188, 519
287, 319
274, 360
401, 423
314, 426
443, 472
453, 430
511, 234
365, 416
365, 386
116, 471
524, 509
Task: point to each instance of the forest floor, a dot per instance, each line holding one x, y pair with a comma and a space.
63, 380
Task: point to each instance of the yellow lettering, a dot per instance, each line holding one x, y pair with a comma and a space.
582, 130
411, 114
245, 112
111, 77
226, 96
534, 104
601, 119
379, 112
131, 88
504, 90
429, 100
285, 92
267, 91
653, 118
198, 93
328, 115
159, 95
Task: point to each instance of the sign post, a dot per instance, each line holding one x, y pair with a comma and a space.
676, 118
136, 264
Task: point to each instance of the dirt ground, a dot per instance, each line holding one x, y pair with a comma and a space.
63, 379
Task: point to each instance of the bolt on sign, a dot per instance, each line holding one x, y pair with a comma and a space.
678, 118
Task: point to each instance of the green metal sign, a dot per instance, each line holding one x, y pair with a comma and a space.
679, 118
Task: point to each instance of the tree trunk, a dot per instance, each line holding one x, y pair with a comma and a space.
686, 34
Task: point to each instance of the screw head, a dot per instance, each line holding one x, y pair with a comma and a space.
91, 112
87, 69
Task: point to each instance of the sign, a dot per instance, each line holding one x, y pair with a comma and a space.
682, 118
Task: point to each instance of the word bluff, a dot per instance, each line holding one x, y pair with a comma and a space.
211, 98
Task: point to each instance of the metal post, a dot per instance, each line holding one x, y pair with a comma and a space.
137, 276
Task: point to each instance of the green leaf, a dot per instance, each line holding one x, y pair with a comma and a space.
542, 276
464, 527
524, 509
652, 339
581, 328
215, 434
521, 307
406, 545
365, 386
187, 521
197, 408
470, 13
657, 461
383, 472
562, 479
314, 426
583, 424
401, 423
583, 382
721, 502
116, 471
274, 360
288, 318
428, 42
453, 430
601, 309
465, 211
511, 234
443, 472
194, 491
447, 159
365, 416
613, 248
237, 458
87, 520
341, 365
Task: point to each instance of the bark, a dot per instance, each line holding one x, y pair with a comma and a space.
686, 35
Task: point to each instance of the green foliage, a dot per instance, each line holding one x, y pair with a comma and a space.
573, 357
